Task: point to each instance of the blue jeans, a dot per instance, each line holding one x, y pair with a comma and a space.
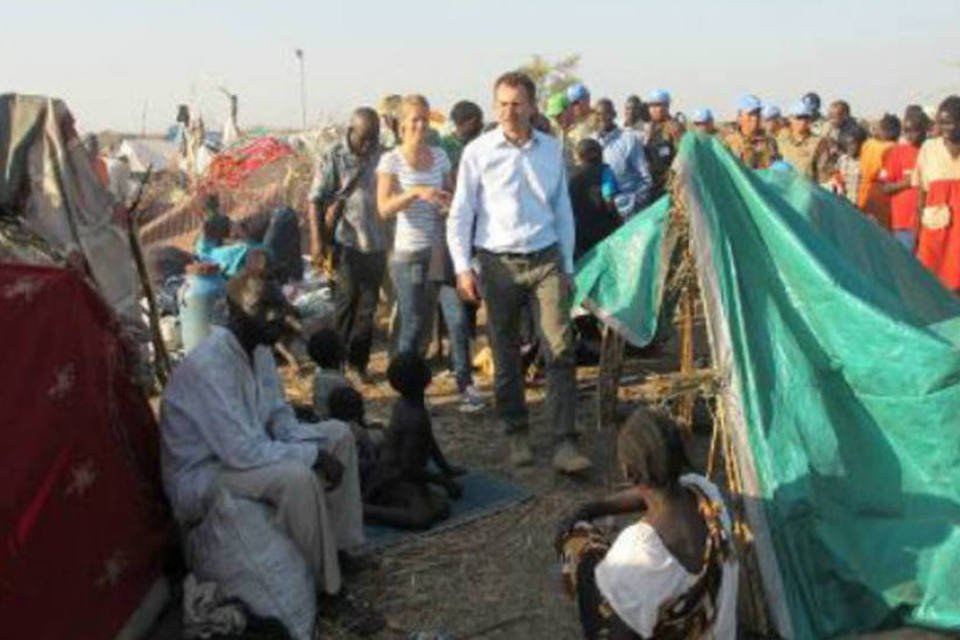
906, 237
455, 316
408, 271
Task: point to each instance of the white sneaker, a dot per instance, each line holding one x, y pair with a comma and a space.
471, 400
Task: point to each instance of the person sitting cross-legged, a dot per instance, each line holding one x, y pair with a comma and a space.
671, 574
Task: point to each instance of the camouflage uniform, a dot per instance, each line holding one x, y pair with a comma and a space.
661, 147
757, 152
805, 154
581, 130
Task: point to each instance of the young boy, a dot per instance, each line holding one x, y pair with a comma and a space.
872, 199
593, 189
346, 405
326, 350
898, 166
846, 179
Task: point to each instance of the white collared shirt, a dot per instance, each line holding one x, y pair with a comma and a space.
511, 199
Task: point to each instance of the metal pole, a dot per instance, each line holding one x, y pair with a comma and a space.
303, 91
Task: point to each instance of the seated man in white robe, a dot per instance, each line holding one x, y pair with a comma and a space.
226, 424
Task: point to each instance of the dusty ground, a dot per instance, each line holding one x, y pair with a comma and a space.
497, 577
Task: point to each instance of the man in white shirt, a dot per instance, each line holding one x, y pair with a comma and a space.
512, 209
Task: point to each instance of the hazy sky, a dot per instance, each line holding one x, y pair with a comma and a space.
108, 59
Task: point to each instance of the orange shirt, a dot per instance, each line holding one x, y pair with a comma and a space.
871, 198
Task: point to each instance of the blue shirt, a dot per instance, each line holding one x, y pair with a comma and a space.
230, 257
510, 199
623, 152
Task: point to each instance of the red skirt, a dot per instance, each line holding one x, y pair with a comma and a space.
939, 249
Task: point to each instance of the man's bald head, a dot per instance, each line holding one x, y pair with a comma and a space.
364, 133
606, 114
256, 303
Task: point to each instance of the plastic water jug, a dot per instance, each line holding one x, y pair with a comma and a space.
203, 302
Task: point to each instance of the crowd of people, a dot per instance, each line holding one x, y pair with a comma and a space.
496, 215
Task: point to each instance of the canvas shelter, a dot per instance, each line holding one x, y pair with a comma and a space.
836, 359
82, 519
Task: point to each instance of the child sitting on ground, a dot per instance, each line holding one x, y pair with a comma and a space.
326, 350
399, 493
346, 405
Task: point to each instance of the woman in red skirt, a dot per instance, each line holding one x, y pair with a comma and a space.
938, 176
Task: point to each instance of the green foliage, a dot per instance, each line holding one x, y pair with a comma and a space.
551, 77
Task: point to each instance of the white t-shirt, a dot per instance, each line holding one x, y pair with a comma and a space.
419, 225
639, 574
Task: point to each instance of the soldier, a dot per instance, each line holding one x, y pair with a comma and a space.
772, 120
703, 121
557, 111
663, 136
583, 123
560, 116
800, 147
748, 141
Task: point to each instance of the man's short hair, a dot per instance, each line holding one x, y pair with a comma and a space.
326, 348
589, 151
464, 111
368, 114
514, 79
409, 374
844, 105
346, 404
890, 126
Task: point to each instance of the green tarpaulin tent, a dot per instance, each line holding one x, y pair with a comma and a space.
839, 363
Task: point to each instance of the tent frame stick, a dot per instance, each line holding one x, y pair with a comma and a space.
161, 360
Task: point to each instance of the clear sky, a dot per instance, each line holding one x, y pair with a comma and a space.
110, 59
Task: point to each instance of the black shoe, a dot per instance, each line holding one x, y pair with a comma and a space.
350, 614
351, 564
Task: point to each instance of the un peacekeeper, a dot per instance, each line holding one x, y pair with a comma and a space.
801, 148
749, 142
663, 136
703, 122
772, 120
583, 123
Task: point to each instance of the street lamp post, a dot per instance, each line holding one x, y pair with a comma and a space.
303, 89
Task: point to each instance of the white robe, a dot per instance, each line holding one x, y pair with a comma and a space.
221, 413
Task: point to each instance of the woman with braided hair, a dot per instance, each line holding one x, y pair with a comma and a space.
672, 575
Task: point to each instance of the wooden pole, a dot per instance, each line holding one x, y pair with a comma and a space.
608, 386
687, 305
161, 361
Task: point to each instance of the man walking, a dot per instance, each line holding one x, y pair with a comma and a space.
512, 206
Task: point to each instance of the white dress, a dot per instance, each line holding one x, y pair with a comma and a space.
639, 574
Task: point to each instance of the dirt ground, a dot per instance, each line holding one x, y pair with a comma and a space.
495, 578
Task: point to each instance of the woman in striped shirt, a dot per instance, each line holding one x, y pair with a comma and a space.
414, 184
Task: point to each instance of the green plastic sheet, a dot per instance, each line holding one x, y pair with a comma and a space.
621, 279
839, 357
